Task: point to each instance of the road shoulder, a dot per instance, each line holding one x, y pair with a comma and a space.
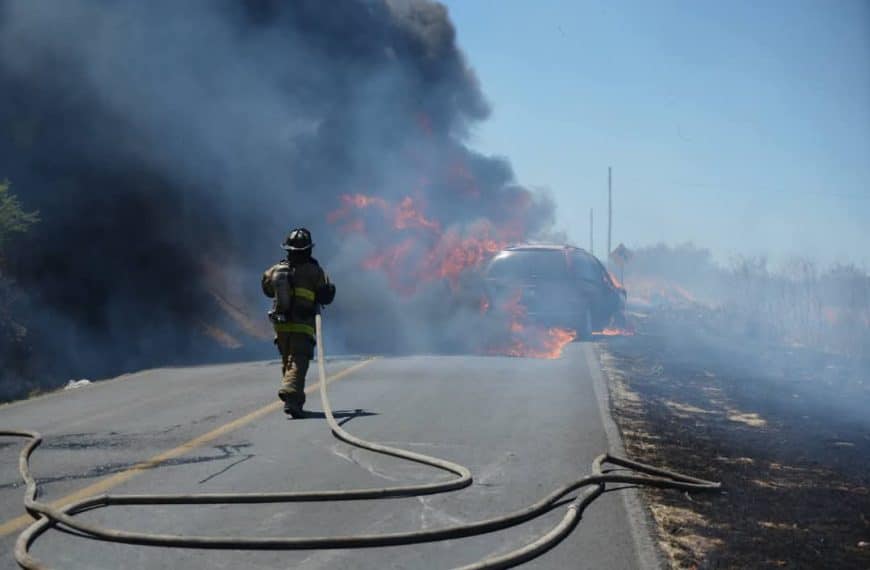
648, 554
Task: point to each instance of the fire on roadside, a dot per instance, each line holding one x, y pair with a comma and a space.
648, 292
609, 331
412, 249
536, 342
528, 339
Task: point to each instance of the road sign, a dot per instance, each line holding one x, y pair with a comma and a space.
621, 255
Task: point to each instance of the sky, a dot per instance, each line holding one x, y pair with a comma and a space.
740, 126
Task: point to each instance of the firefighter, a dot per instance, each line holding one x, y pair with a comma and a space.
299, 288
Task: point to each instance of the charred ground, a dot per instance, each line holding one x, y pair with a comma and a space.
784, 428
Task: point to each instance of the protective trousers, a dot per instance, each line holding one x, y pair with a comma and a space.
296, 353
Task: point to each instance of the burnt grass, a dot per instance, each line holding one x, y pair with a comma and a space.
786, 430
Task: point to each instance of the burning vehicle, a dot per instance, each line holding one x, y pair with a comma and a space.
556, 286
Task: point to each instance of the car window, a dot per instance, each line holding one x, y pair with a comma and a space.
585, 268
526, 265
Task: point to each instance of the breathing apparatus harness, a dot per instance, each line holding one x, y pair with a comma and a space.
298, 243
283, 286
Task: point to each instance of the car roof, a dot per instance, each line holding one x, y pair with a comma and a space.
548, 247
542, 246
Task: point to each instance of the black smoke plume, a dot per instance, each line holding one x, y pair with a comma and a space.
169, 146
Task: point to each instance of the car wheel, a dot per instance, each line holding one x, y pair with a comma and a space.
584, 327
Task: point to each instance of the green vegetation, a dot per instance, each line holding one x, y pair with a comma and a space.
13, 219
17, 370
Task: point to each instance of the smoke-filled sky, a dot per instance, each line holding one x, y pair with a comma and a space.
169, 146
742, 126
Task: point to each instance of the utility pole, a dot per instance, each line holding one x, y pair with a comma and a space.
591, 234
609, 214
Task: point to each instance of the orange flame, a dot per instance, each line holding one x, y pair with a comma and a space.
531, 340
351, 203
408, 216
653, 291
418, 257
547, 343
413, 249
454, 254
614, 332
615, 280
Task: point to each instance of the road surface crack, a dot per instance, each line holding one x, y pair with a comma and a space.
230, 451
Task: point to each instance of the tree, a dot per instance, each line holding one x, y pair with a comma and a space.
16, 362
13, 219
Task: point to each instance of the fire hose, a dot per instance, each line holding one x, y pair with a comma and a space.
594, 485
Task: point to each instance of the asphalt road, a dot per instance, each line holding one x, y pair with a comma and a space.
523, 427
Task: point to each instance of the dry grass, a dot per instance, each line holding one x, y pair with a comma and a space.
795, 478
796, 303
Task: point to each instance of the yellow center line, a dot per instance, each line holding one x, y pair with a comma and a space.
123, 476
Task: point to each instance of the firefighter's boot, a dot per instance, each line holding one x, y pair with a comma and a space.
292, 392
294, 410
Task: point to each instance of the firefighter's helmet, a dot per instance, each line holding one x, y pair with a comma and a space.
299, 239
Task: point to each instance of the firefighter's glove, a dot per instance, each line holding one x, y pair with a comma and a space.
325, 294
